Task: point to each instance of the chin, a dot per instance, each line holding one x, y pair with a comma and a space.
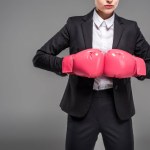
108, 12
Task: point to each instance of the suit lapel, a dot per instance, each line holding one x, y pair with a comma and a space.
118, 30
87, 28
87, 33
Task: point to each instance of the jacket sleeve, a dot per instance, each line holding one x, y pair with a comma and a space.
142, 50
45, 57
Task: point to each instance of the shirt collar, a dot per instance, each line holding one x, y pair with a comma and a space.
101, 22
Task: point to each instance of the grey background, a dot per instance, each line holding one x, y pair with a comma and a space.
30, 116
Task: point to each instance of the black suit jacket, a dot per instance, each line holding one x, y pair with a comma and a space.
77, 35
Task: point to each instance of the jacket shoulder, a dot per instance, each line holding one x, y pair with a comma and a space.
74, 19
127, 21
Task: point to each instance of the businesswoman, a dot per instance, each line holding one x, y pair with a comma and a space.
99, 104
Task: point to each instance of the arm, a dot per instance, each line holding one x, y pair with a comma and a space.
45, 57
142, 50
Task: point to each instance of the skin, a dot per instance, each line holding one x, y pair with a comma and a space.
104, 12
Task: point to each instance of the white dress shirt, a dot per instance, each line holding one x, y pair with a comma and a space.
103, 31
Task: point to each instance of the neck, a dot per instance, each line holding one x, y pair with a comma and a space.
104, 16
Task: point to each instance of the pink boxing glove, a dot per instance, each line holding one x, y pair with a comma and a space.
121, 64
87, 63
